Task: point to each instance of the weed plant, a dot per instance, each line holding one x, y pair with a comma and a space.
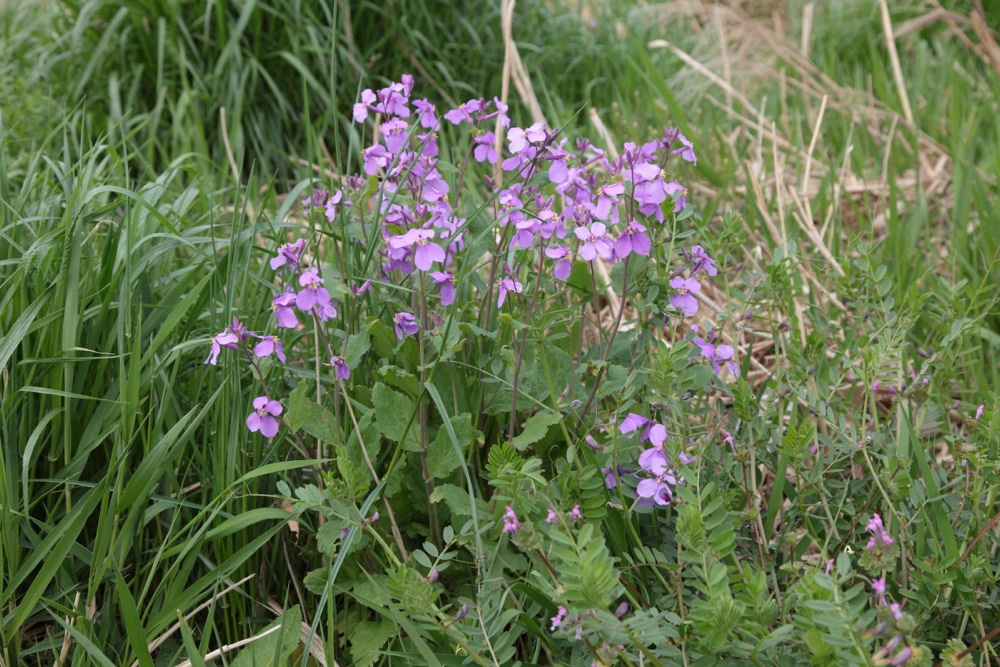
476, 481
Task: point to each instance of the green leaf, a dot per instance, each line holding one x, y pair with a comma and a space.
441, 458
277, 647
394, 413
357, 346
351, 458
304, 414
535, 429
367, 639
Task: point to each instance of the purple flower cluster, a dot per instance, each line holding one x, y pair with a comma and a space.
880, 539
895, 652
718, 354
659, 480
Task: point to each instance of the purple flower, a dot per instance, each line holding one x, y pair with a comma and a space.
484, 151
261, 418
396, 134
375, 157
632, 422
576, 513
902, 657
879, 538
551, 517
464, 112
718, 354
607, 197
702, 262
686, 151
425, 114
679, 193
633, 239
519, 139
270, 345
336, 200
447, 283
282, 307
509, 284
558, 619
657, 487
229, 337
878, 587
683, 299
432, 576
595, 241
314, 291
426, 253
406, 325
341, 370
563, 267
510, 522
224, 339
979, 411
288, 254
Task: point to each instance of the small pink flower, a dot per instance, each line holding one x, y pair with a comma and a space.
510, 522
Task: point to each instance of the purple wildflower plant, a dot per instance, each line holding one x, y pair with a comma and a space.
507, 285
425, 252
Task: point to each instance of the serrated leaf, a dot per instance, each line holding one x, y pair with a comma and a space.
535, 429
392, 414
367, 639
304, 414
441, 458
357, 346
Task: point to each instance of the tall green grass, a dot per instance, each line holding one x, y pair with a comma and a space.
130, 493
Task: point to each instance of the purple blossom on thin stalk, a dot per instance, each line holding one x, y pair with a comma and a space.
289, 254
633, 239
551, 516
229, 337
657, 488
563, 267
683, 300
270, 345
595, 241
447, 283
314, 292
426, 253
686, 151
717, 354
263, 417
336, 200
405, 324
679, 194
508, 284
484, 150
340, 368
700, 261
282, 307
521, 138
510, 521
